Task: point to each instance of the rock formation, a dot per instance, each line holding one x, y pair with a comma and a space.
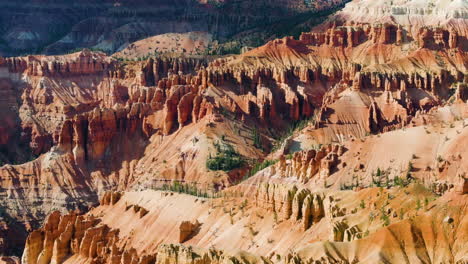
81, 63
306, 164
187, 229
72, 234
372, 104
98, 238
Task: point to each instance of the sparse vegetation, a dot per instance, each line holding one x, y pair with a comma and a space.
409, 170
295, 126
382, 179
243, 205
257, 141
259, 166
384, 217
397, 181
186, 188
226, 159
418, 205
90, 49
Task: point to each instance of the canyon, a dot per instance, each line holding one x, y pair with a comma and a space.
111, 26
345, 144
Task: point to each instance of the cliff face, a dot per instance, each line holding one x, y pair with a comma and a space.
91, 111
59, 89
361, 66
286, 79
82, 63
374, 95
80, 235
408, 12
86, 118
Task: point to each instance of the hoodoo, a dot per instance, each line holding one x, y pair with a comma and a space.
234, 132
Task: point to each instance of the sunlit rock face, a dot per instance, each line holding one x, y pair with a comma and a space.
345, 144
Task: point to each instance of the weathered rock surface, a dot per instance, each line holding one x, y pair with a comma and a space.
78, 235
306, 164
408, 12
98, 237
376, 92
187, 229
80, 63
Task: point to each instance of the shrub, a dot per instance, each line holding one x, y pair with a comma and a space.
362, 204
384, 217
379, 173
418, 205
397, 181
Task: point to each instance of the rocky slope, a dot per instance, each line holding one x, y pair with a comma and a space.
353, 134
268, 221
192, 43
